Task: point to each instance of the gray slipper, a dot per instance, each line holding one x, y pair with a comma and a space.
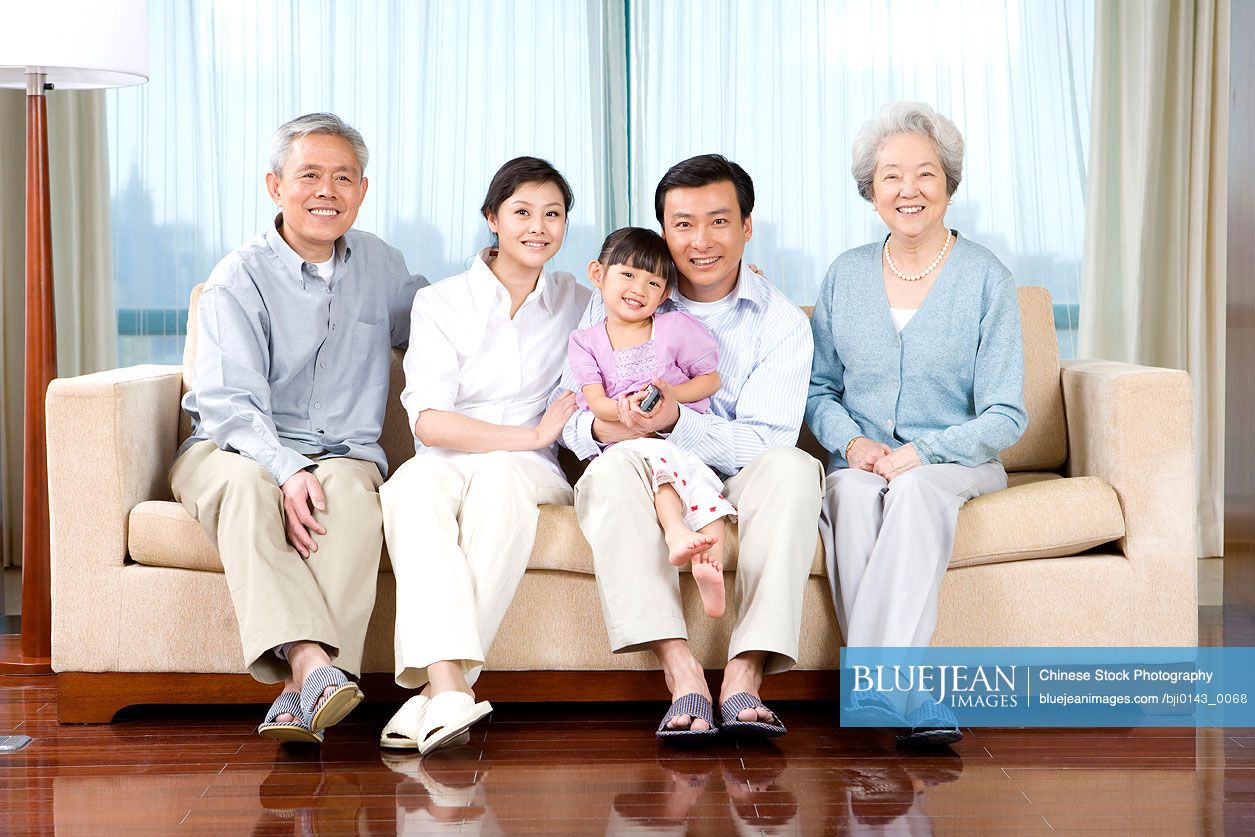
738, 703
294, 731
695, 706
325, 711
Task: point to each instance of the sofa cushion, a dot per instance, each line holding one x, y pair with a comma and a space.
163, 534
1039, 515
1044, 445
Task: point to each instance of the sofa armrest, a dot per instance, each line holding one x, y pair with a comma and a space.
111, 440
1133, 426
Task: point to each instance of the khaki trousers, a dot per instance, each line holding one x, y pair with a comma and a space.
777, 497
278, 596
459, 533
888, 546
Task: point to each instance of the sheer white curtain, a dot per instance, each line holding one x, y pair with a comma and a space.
443, 92
783, 87
1155, 265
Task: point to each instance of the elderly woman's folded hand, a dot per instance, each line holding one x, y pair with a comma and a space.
864, 453
897, 463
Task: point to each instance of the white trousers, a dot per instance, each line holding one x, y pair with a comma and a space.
888, 545
777, 498
459, 534
698, 486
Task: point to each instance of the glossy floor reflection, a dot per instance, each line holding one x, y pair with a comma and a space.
597, 769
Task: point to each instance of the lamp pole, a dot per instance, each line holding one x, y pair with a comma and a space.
41, 368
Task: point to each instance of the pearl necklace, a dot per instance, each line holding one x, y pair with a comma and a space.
889, 258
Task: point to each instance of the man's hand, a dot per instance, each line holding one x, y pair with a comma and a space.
864, 454
897, 463
301, 491
609, 432
661, 419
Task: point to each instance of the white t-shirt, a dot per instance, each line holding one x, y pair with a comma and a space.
326, 270
708, 311
901, 316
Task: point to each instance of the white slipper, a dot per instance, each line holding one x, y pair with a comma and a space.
448, 716
401, 733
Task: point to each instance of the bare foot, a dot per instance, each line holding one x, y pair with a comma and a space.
290, 686
744, 673
708, 573
684, 545
304, 657
684, 676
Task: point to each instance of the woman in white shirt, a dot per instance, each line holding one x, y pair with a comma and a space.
487, 348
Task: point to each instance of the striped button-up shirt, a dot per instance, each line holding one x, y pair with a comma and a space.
288, 366
765, 347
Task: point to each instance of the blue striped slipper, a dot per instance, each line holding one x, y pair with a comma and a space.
874, 709
321, 711
738, 703
695, 706
932, 725
296, 730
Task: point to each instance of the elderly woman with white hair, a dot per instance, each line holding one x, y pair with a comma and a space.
916, 387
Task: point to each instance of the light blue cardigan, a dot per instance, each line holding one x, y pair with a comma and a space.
952, 383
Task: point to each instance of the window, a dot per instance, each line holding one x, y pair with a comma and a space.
782, 88
444, 92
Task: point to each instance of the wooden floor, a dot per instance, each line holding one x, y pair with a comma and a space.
597, 769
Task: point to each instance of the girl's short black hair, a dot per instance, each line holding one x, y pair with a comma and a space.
522, 170
640, 248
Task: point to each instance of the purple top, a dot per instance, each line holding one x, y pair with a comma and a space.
679, 350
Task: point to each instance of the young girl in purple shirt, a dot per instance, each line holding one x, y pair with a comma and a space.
614, 363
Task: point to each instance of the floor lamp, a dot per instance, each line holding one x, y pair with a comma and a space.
66, 45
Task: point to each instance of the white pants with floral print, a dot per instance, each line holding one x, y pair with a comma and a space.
699, 487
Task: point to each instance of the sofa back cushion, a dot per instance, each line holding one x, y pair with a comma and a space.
1042, 448
1044, 445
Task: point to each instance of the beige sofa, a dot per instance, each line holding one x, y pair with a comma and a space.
1091, 544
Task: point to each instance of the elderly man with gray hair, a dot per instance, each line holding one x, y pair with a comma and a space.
287, 402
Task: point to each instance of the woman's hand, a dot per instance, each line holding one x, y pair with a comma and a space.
555, 418
864, 453
898, 462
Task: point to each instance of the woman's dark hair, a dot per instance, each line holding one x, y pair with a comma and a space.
642, 249
704, 170
522, 170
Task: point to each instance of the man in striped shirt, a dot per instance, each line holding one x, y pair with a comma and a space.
704, 206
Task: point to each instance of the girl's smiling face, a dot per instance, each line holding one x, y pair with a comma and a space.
630, 294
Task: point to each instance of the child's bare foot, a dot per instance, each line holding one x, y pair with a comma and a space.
708, 573
684, 545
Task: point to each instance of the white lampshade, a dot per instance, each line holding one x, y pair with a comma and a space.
78, 44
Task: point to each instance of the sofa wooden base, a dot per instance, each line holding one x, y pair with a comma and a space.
94, 697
